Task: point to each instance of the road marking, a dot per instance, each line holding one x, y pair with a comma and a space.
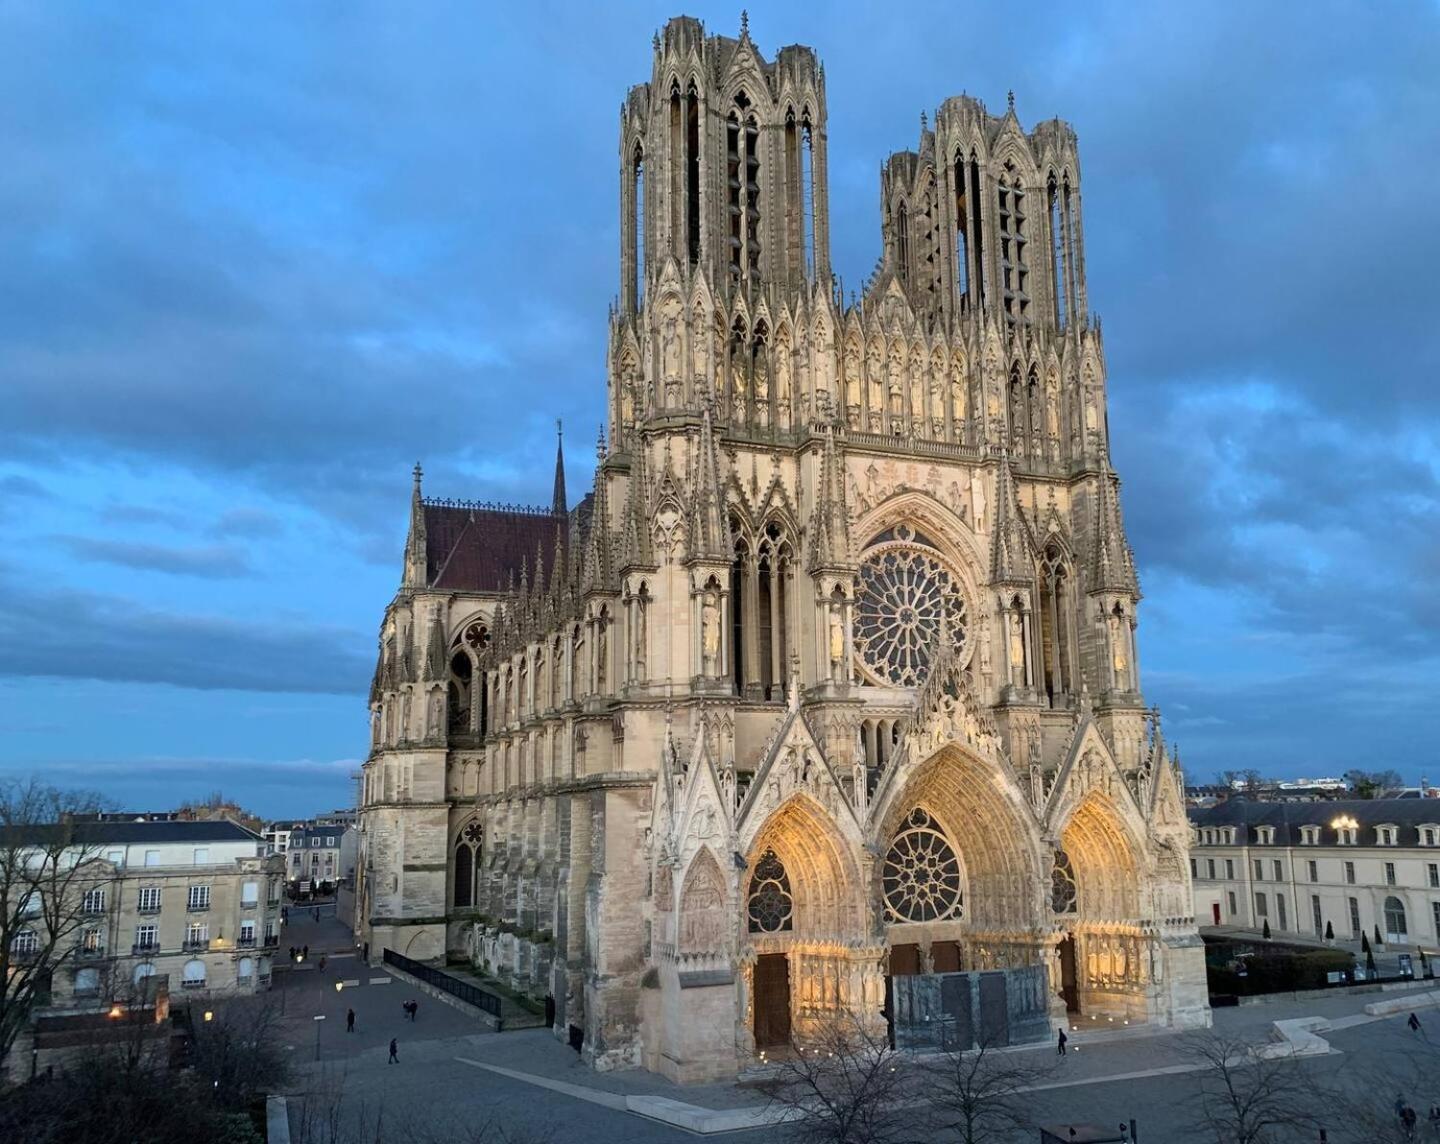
353, 983
381, 980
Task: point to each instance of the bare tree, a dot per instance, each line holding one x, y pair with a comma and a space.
1245, 1097
840, 1084
235, 1047
978, 1096
47, 863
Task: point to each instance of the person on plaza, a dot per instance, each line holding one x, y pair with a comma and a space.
322, 962
292, 953
1060, 1044
317, 913
1408, 1119
394, 1056
304, 952
1414, 1023
414, 1008
349, 1020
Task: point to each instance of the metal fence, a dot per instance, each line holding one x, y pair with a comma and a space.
466, 991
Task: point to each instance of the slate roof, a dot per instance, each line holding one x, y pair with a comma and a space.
1409, 814
102, 833
472, 547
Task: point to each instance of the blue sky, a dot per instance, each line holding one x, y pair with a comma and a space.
256, 259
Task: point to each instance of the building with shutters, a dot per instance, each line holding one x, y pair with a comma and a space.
832, 676
1351, 867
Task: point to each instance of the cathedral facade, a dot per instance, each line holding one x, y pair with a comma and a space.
832, 677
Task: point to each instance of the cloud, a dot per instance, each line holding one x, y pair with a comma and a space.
91, 636
212, 562
247, 523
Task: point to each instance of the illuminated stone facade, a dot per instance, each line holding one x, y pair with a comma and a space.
833, 675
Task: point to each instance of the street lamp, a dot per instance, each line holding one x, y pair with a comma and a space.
209, 1016
339, 985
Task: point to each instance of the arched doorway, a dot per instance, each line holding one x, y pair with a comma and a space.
959, 870
1396, 932
803, 930
1095, 891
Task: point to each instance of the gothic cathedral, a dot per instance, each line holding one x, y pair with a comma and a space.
831, 681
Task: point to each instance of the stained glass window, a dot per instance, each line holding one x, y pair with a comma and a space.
921, 875
771, 907
905, 588
1062, 885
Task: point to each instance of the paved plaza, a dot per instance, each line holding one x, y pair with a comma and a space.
453, 1070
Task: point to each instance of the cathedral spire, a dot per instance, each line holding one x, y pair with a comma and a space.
635, 549
558, 501
435, 647
599, 557
1112, 564
831, 523
415, 558
709, 530
1012, 553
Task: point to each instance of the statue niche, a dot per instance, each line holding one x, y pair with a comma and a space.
703, 914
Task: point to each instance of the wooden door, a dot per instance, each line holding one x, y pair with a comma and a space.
1215, 911
772, 1000
1069, 988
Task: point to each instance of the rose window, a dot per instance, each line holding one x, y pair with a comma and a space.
904, 591
921, 877
771, 907
477, 636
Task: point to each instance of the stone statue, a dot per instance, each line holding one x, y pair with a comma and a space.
977, 495
837, 641
1017, 642
709, 635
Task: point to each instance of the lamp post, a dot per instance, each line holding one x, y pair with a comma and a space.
318, 1018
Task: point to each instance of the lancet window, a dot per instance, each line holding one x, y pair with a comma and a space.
635, 228
1057, 623
774, 574
467, 865
769, 904
963, 229
742, 163
1014, 237
1059, 252
921, 877
902, 243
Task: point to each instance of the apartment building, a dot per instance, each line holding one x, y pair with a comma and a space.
197, 901
320, 853
1355, 865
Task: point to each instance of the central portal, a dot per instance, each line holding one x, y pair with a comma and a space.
772, 1000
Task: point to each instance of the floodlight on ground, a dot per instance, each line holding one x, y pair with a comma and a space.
209, 1015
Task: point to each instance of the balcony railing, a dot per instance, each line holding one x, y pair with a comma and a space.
145, 948
147, 909
244, 943
273, 941
193, 984
89, 953
197, 907
192, 944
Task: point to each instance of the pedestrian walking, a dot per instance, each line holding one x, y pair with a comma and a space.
394, 1056
292, 953
322, 963
1414, 1023
1408, 1119
1060, 1044
317, 913
349, 1020
304, 952
414, 1008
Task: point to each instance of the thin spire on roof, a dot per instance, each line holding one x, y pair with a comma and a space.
558, 502
415, 550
